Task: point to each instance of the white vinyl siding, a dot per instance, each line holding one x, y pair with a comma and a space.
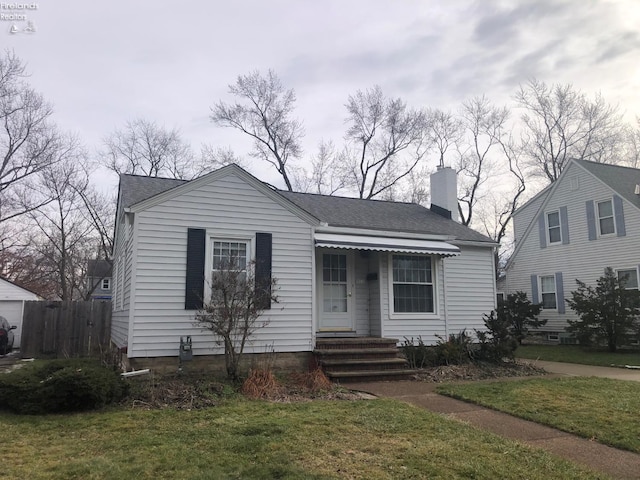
121, 284
227, 208
582, 259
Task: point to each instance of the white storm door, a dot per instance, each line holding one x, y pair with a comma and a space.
335, 271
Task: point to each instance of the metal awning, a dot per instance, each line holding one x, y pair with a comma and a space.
386, 244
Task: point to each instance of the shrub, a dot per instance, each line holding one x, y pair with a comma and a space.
456, 350
497, 342
60, 386
417, 353
520, 314
608, 312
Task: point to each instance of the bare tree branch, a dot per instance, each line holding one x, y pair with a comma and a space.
264, 114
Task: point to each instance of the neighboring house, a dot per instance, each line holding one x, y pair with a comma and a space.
99, 279
12, 298
587, 220
344, 266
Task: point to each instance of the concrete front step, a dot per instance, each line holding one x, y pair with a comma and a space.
351, 343
361, 359
331, 352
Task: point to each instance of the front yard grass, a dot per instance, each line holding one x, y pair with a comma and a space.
367, 439
601, 409
578, 354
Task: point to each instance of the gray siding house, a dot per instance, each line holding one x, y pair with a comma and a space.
344, 266
587, 220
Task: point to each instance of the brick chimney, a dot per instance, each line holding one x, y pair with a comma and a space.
444, 192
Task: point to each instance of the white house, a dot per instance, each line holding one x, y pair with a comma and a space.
12, 298
344, 266
586, 221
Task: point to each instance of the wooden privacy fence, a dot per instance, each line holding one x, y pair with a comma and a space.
65, 329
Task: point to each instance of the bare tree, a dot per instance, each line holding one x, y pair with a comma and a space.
264, 113
233, 311
145, 148
561, 123
445, 130
483, 124
29, 142
324, 177
63, 238
213, 158
386, 141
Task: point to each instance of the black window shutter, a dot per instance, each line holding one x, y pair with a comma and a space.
263, 270
194, 284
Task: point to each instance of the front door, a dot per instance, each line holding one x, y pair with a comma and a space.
335, 280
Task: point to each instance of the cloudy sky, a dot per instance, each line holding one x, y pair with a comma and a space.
104, 62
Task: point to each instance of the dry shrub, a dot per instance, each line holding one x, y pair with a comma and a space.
261, 383
313, 381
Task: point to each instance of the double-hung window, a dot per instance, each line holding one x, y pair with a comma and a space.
106, 284
548, 292
628, 277
606, 221
230, 260
553, 227
413, 284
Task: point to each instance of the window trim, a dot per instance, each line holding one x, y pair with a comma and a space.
548, 227
434, 281
108, 283
598, 218
541, 292
208, 262
637, 269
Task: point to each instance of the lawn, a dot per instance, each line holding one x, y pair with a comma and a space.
601, 409
577, 354
368, 439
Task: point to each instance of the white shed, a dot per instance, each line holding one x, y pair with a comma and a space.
12, 298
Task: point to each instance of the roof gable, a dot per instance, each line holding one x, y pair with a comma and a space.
9, 289
621, 180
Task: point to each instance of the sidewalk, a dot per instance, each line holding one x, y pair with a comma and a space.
614, 462
575, 370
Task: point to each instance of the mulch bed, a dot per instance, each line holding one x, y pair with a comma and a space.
196, 391
478, 371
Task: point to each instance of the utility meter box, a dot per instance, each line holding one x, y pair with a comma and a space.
186, 352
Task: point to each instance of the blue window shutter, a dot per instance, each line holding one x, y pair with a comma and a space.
621, 230
534, 289
564, 225
263, 270
591, 220
194, 283
542, 229
560, 293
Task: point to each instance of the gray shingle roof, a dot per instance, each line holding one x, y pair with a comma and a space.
623, 180
135, 188
335, 211
380, 215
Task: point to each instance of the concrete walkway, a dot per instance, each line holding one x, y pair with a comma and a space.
616, 463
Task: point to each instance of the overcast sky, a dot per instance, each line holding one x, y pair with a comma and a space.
102, 63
